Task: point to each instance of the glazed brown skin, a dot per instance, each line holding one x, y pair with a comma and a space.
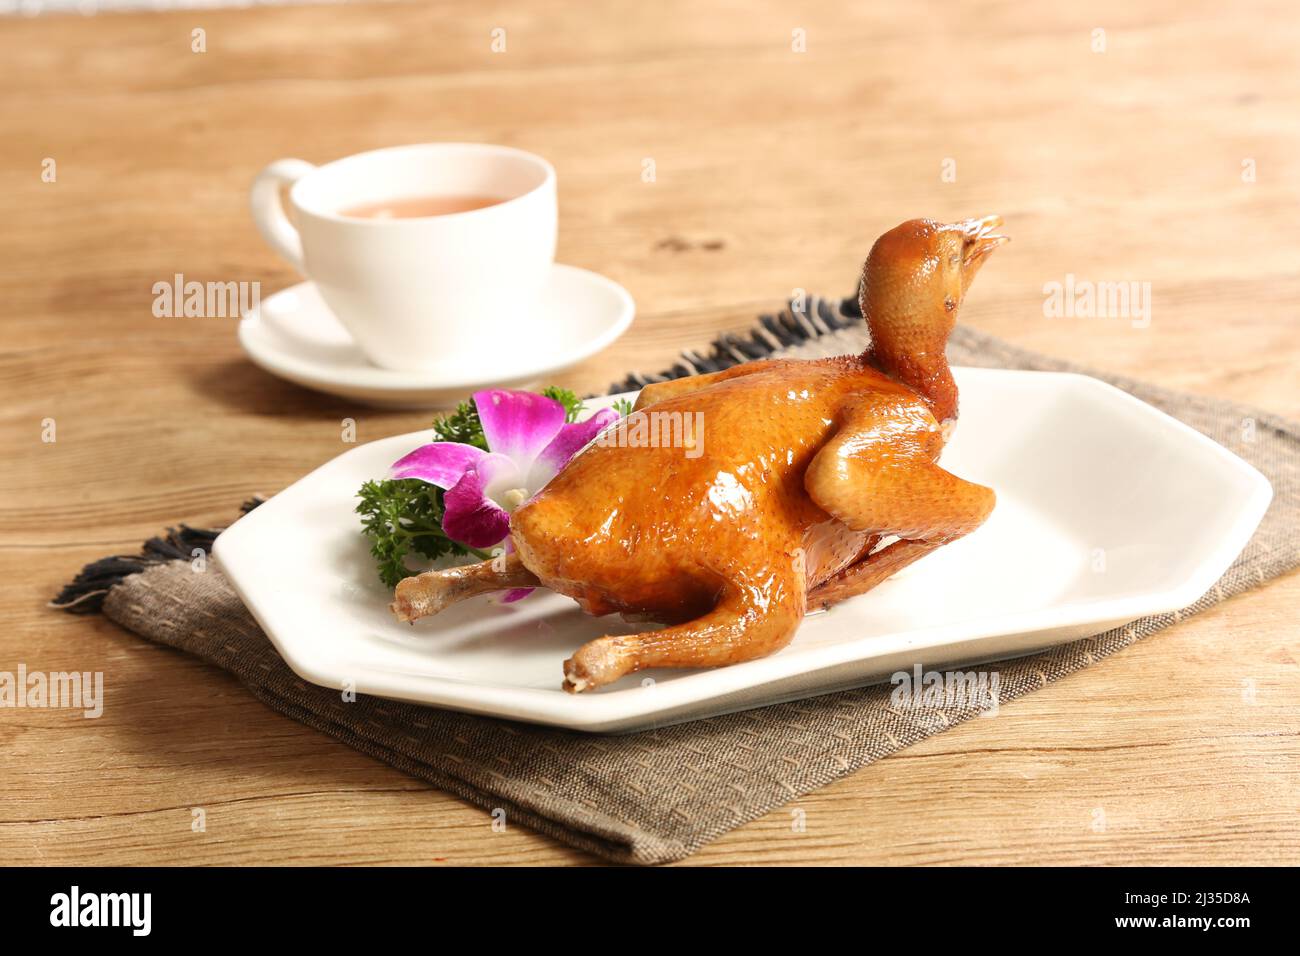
649, 529
805, 466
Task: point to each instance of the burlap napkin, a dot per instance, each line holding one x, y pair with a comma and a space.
660, 795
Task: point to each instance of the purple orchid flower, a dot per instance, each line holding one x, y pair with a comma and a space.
528, 441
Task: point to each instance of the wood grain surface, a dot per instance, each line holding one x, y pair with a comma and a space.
1171, 157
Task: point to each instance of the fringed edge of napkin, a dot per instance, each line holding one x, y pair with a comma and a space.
803, 319
85, 593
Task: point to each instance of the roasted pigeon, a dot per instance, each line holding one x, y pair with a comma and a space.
812, 482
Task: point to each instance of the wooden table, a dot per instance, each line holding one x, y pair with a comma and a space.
775, 169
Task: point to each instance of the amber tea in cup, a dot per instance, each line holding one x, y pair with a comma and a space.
419, 207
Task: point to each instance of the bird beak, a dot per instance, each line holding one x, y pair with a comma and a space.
979, 241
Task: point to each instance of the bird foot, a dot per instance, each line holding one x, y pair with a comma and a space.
596, 663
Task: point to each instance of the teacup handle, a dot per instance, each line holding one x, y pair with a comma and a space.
268, 210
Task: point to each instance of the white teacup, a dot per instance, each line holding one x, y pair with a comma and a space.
420, 294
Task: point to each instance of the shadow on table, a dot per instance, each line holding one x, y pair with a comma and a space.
241, 386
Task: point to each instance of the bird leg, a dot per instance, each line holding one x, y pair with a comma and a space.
748, 622
424, 594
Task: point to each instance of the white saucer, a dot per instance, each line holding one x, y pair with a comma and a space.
294, 335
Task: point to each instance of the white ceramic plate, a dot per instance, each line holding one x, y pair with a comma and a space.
1108, 510
294, 335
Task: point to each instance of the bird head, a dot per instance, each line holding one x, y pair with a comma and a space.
919, 272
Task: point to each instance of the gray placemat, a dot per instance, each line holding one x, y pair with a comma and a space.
660, 795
